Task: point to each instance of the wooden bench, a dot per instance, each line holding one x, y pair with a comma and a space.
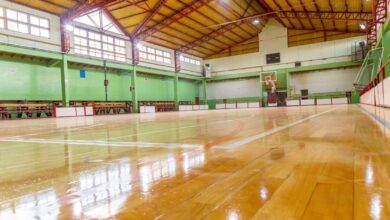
7, 109
101, 108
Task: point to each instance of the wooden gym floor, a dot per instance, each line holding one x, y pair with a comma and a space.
329, 162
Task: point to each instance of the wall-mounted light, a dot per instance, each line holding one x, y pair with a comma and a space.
139, 45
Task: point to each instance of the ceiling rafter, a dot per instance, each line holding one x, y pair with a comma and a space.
207, 17
87, 7
331, 8
268, 9
227, 19
219, 32
175, 29
305, 10
325, 15
293, 10
237, 14
154, 11
195, 21
196, 5
280, 9
113, 9
55, 4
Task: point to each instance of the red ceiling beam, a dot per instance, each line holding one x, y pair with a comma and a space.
280, 9
209, 18
331, 8
293, 10
87, 7
55, 4
113, 9
337, 16
219, 32
154, 11
324, 30
305, 10
196, 5
268, 9
254, 28
195, 21
227, 19
181, 32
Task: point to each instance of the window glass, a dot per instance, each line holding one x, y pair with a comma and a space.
24, 23
99, 45
153, 54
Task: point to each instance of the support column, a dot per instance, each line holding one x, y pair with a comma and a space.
65, 80
204, 91
288, 84
134, 95
176, 91
261, 90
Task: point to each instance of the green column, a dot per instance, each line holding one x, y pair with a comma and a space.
176, 90
204, 91
65, 80
288, 84
261, 89
134, 85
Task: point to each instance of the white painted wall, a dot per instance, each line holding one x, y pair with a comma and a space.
15, 38
232, 89
333, 80
274, 39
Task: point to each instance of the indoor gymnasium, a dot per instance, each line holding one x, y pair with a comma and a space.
194, 109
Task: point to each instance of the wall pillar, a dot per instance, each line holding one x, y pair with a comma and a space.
261, 90
65, 80
134, 95
204, 91
176, 91
288, 84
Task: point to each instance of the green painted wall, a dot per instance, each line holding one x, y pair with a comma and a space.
92, 87
22, 80
26, 80
155, 88
188, 90
386, 53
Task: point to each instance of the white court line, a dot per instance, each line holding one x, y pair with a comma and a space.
269, 132
100, 143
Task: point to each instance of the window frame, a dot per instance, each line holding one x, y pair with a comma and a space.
160, 56
105, 40
190, 61
6, 19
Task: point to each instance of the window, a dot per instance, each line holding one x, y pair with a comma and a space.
100, 20
153, 54
93, 44
189, 60
24, 23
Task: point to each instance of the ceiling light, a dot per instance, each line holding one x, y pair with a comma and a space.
69, 27
256, 21
363, 26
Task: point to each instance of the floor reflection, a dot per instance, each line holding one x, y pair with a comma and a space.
154, 171
39, 205
103, 193
192, 160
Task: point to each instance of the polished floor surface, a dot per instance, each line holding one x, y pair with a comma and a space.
329, 162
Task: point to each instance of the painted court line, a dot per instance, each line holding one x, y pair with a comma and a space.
269, 132
100, 143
